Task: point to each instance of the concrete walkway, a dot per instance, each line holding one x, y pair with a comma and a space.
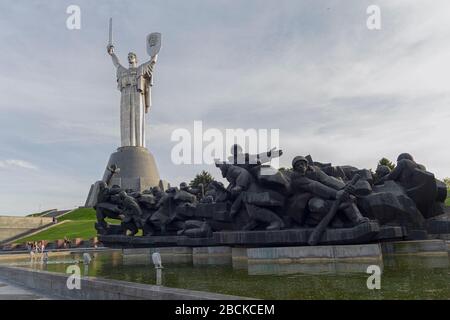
13, 292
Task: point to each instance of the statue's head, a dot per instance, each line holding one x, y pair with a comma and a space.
183, 186
122, 195
172, 190
132, 58
102, 186
223, 168
300, 164
405, 156
215, 185
156, 192
116, 188
382, 171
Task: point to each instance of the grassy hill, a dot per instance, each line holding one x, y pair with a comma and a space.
80, 224
85, 214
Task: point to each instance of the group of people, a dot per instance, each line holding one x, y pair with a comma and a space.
36, 247
257, 197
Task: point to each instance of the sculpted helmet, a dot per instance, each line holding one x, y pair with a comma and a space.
297, 159
382, 170
122, 194
172, 190
404, 156
156, 190
183, 185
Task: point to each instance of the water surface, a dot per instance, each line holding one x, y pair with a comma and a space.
403, 277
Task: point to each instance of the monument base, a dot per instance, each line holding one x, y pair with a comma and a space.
138, 169
363, 233
138, 172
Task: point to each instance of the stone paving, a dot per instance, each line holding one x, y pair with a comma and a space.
13, 292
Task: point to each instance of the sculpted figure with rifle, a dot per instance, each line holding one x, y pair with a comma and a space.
324, 191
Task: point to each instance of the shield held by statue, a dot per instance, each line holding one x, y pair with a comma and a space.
153, 43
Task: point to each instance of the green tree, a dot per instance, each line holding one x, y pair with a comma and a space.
447, 182
386, 162
204, 178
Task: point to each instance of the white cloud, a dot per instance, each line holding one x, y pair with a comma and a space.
12, 163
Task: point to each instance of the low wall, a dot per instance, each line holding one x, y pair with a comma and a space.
363, 252
14, 226
92, 288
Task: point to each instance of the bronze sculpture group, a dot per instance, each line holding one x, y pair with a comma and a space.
311, 195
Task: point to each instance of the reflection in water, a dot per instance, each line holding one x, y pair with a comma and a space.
422, 262
309, 268
205, 260
159, 276
404, 277
145, 259
240, 264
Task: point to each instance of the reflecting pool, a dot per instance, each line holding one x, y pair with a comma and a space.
403, 277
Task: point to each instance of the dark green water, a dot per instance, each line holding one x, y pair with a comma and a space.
403, 277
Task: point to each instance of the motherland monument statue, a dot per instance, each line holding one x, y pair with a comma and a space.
137, 166
313, 203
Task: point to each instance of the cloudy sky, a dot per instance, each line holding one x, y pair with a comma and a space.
312, 69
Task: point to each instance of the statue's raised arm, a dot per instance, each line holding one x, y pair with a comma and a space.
110, 47
153, 42
147, 69
146, 73
115, 59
